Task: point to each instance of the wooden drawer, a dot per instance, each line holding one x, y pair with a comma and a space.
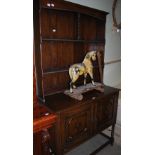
76, 126
58, 24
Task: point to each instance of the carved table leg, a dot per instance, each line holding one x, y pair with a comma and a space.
46, 142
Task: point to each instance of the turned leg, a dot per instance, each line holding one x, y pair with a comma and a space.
112, 134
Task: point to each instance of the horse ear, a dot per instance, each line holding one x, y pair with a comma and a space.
87, 56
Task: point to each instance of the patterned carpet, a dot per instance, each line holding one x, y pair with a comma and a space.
92, 144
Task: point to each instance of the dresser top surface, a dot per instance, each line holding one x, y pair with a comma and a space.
60, 102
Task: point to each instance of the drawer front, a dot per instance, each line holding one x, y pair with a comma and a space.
77, 127
104, 112
57, 24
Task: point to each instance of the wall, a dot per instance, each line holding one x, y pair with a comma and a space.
112, 72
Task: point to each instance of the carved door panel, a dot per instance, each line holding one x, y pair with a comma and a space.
77, 127
44, 142
104, 112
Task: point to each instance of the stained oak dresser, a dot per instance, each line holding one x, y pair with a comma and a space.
63, 33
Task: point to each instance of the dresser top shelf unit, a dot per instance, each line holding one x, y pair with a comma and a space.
63, 33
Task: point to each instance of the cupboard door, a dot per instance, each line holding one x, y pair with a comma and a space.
44, 142
57, 24
77, 127
104, 112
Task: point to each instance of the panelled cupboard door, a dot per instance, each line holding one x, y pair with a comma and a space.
58, 24
104, 112
44, 142
76, 126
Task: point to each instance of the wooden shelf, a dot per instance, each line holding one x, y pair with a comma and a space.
59, 70
73, 40
55, 70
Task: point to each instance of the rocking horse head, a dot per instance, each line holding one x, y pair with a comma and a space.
91, 55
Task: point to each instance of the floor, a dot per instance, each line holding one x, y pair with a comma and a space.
92, 144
